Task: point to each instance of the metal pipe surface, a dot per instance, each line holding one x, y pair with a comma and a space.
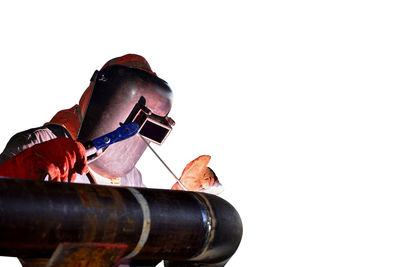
155, 224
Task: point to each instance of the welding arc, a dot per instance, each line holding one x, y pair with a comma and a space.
166, 166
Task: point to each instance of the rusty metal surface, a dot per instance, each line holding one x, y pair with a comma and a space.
86, 255
177, 226
33, 262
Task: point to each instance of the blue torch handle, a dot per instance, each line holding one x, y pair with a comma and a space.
121, 133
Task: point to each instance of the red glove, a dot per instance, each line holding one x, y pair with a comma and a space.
197, 176
61, 158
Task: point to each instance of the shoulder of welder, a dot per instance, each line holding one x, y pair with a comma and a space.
26, 139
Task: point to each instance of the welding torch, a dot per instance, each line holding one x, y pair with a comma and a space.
97, 146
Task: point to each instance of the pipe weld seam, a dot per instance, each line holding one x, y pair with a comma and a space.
146, 223
209, 220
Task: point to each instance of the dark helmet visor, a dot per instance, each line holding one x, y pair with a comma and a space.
116, 91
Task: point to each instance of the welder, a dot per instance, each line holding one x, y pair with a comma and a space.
56, 149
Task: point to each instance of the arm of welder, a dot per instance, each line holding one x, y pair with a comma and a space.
62, 158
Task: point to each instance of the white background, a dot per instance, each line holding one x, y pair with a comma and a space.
296, 101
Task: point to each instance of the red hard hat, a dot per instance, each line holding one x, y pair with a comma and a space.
132, 61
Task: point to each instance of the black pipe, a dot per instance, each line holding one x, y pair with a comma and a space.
155, 224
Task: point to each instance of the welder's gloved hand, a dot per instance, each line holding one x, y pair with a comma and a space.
198, 177
62, 158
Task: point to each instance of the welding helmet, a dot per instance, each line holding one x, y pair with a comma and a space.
116, 90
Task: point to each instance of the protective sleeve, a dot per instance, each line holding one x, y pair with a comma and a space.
26, 139
60, 158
